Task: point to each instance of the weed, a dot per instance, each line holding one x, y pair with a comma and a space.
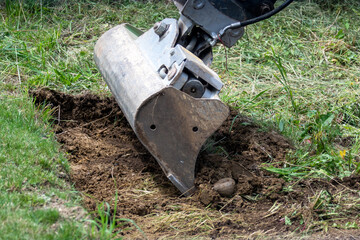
320, 131
284, 80
108, 226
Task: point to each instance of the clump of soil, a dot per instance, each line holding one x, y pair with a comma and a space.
107, 160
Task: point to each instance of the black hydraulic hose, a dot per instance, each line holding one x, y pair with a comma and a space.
257, 19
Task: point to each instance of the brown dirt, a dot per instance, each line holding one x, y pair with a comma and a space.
106, 157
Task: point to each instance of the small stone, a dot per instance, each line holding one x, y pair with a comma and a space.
225, 187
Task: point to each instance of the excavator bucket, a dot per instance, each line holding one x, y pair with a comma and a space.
168, 95
162, 81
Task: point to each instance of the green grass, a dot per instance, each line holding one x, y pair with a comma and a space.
27, 153
107, 224
305, 65
29, 164
53, 45
297, 73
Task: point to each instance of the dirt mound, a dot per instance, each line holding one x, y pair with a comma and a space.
106, 158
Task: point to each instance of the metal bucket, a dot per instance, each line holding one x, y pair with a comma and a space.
147, 73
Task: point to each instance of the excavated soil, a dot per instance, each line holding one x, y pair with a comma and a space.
107, 160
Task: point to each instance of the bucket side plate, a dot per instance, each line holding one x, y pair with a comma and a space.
173, 126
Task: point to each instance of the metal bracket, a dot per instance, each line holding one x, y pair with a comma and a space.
200, 10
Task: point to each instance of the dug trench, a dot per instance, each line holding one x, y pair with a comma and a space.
109, 164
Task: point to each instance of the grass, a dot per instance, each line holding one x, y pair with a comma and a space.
63, 59
107, 224
29, 166
297, 73
305, 64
